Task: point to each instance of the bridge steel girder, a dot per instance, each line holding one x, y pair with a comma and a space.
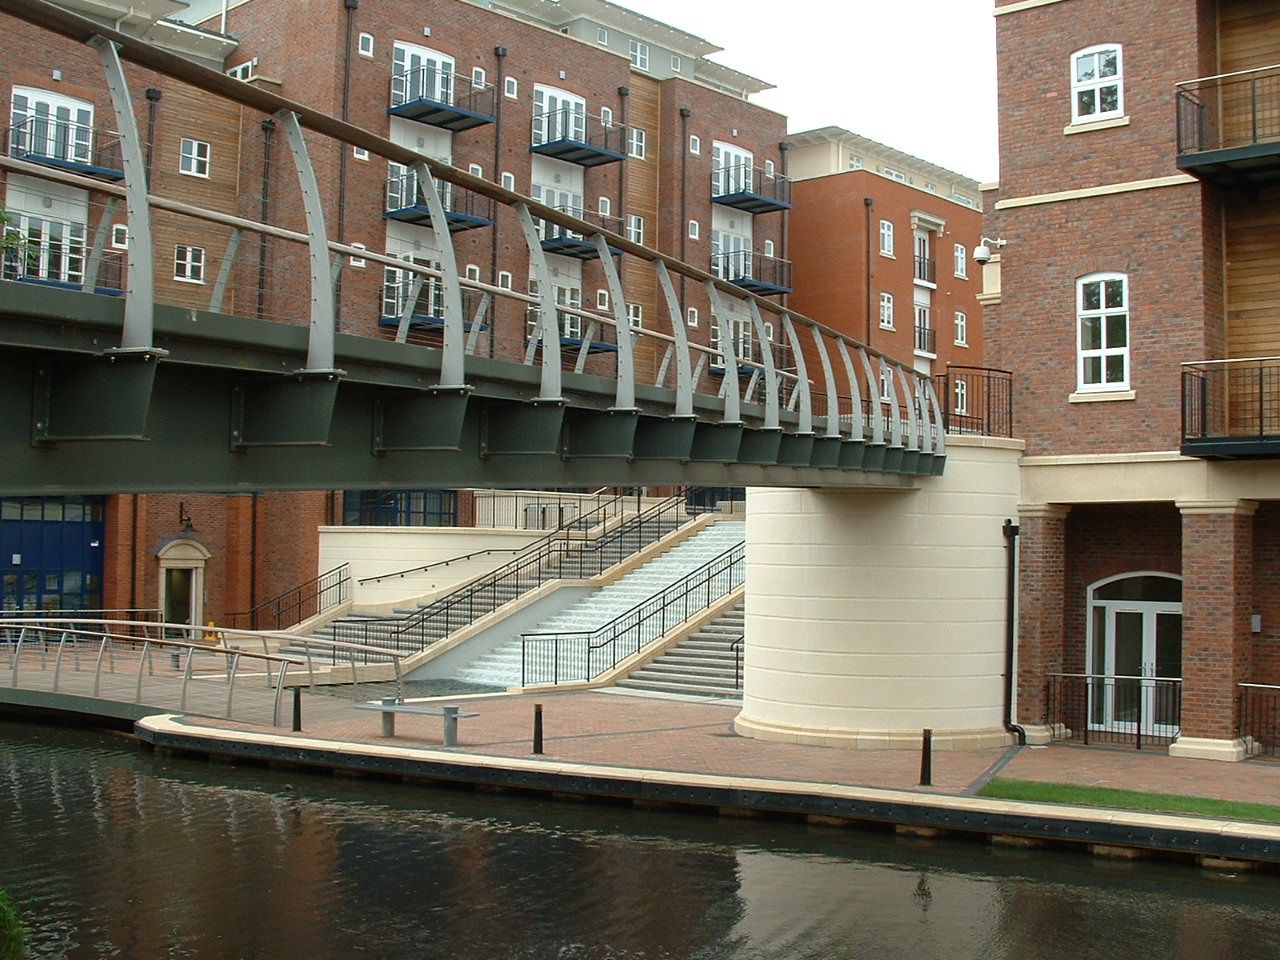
391, 424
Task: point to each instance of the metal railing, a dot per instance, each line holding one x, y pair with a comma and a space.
300, 603
116, 614
578, 526
552, 558
736, 647
738, 266
976, 400
1102, 708
1259, 717
732, 179
404, 190
580, 655
926, 269
1229, 110
441, 86
1231, 399
78, 145
575, 126
926, 340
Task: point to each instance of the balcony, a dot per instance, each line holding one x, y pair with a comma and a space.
1231, 409
926, 270
976, 400
753, 272
571, 333
407, 202
750, 189
445, 100
567, 243
70, 146
570, 135
926, 340
1229, 127
427, 316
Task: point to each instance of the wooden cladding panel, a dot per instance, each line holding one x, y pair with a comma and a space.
1253, 275
1248, 35
640, 284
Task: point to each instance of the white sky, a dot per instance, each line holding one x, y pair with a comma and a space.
918, 75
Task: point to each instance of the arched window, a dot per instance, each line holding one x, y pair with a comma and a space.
1097, 83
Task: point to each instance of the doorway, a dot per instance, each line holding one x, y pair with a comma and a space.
1134, 657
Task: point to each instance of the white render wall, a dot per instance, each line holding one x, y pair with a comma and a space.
871, 616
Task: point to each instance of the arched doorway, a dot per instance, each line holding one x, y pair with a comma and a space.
1134, 652
182, 563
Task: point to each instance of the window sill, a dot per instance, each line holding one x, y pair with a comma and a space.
924, 283
887, 326
1101, 396
1088, 126
889, 256
925, 354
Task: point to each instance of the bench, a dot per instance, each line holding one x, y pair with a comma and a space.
390, 706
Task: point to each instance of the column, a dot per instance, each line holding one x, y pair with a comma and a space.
1217, 599
1042, 561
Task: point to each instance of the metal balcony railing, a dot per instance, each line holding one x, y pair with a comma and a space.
442, 99
577, 137
750, 188
63, 143
1231, 407
976, 400
407, 201
926, 269
1098, 708
926, 340
753, 271
1229, 110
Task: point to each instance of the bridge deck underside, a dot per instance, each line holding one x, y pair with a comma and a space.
222, 412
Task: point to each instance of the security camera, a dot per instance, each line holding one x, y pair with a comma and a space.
982, 253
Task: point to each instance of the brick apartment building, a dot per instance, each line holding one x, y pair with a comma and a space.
1138, 208
882, 243
581, 104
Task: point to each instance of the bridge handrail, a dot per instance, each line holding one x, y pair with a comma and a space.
558, 533
915, 408
459, 608
625, 634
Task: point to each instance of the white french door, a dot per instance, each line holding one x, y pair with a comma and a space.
1135, 655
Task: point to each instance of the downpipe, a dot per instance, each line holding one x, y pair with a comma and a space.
1010, 530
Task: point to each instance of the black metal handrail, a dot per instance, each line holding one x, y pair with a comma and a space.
976, 400
1236, 399
736, 647
926, 269
440, 86
1229, 110
299, 603
731, 179
926, 339
738, 265
549, 559
579, 524
1259, 717
1105, 708
578, 655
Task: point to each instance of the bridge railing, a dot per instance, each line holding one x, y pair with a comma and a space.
581, 655
250, 259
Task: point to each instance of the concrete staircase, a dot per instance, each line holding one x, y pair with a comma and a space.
503, 665
704, 664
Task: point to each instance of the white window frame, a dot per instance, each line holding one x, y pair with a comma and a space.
188, 263
635, 228
193, 158
960, 397
893, 174
855, 162
358, 261
886, 238
639, 51
558, 115
732, 169
120, 236
962, 261
476, 170
602, 299
886, 311
479, 78
472, 272
359, 153
606, 117
247, 70
636, 143
432, 79
695, 144
602, 36
1087, 83
695, 230
51, 124
605, 207
1108, 342
962, 329
676, 63
504, 279
691, 316
508, 180
364, 45
767, 248
635, 314
511, 88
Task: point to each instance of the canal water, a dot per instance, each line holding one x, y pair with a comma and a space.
114, 852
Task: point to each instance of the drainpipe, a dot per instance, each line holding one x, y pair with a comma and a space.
268, 127
343, 151
500, 94
1010, 531
784, 148
685, 114
868, 202
153, 101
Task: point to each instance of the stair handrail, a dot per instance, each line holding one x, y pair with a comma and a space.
458, 608
622, 634
561, 532
736, 647
329, 589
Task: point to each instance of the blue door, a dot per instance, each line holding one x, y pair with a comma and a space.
51, 553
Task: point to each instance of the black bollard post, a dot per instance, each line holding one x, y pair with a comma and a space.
537, 728
297, 708
926, 758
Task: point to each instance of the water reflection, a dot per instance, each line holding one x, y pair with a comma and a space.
113, 853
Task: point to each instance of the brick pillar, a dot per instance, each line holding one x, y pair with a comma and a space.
1042, 558
1217, 599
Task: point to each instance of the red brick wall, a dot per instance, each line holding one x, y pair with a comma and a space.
1266, 598
1041, 554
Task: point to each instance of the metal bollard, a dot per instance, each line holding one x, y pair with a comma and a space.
537, 728
926, 758
388, 718
297, 709
175, 660
450, 726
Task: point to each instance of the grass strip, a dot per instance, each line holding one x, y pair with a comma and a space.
1037, 792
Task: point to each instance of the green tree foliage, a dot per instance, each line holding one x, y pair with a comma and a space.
13, 938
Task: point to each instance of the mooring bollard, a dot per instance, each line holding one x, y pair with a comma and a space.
537, 728
297, 709
926, 758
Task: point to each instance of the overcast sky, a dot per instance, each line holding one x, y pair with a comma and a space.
918, 75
